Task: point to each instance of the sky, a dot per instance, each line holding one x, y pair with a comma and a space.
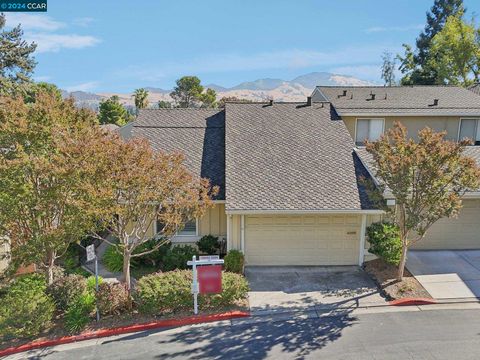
120, 45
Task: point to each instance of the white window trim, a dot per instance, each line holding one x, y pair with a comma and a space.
367, 118
176, 232
460, 127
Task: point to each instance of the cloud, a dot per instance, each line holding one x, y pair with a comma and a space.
377, 29
83, 21
282, 59
87, 86
34, 22
47, 42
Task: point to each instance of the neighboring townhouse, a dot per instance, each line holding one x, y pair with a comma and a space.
289, 173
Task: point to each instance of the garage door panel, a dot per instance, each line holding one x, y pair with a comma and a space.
301, 240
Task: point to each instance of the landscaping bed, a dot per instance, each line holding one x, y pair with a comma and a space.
384, 275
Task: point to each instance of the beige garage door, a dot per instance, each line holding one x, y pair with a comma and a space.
455, 233
302, 240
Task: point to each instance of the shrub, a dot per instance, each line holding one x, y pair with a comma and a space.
234, 261
112, 298
384, 239
79, 312
155, 258
112, 259
177, 257
26, 309
171, 292
91, 284
66, 289
208, 244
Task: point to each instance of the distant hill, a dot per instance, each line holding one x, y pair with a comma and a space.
296, 89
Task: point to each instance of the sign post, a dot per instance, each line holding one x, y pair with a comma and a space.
210, 279
92, 256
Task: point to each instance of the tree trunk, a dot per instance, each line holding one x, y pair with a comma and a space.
50, 265
126, 270
403, 260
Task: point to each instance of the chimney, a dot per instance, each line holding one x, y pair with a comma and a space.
270, 102
435, 102
372, 96
309, 101
344, 92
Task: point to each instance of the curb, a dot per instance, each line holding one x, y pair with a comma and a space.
412, 301
190, 320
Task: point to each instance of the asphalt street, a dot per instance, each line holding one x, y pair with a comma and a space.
429, 334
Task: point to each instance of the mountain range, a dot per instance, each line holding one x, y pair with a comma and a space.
296, 89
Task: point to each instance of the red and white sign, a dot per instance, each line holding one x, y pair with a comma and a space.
210, 279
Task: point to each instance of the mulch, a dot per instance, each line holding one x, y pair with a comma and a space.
384, 275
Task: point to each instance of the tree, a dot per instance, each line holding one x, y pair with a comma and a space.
209, 99
162, 104
415, 63
112, 112
141, 98
187, 92
43, 207
388, 69
225, 99
456, 52
33, 89
427, 179
139, 186
16, 60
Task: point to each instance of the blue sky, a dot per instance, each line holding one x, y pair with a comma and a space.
121, 45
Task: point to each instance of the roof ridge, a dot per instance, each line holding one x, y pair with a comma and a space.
387, 87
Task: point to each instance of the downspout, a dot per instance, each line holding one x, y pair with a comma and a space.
242, 234
361, 255
229, 235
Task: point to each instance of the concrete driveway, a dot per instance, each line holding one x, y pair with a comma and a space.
277, 289
447, 274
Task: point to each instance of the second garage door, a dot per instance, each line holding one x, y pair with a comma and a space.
455, 233
302, 240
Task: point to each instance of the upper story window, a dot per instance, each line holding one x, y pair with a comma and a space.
368, 129
470, 128
189, 229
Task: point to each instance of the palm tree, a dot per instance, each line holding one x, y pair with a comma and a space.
141, 98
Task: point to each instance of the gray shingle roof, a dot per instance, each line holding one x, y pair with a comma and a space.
198, 133
411, 100
290, 157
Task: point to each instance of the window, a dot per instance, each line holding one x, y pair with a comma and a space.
470, 128
368, 129
190, 229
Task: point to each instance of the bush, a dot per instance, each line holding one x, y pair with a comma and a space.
79, 312
234, 261
208, 244
384, 239
91, 284
155, 258
66, 289
112, 259
112, 298
171, 292
177, 257
26, 310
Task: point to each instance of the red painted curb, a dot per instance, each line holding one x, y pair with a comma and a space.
412, 301
125, 329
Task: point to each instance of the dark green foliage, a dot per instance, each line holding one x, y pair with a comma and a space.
208, 244
384, 240
171, 292
79, 312
113, 259
162, 104
67, 289
111, 111
26, 310
234, 261
177, 257
155, 258
112, 298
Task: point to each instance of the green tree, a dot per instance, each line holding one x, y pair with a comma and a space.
388, 69
427, 179
226, 99
16, 59
111, 111
41, 87
43, 206
141, 98
456, 52
162, 104
415, 64
209, 99
187, 92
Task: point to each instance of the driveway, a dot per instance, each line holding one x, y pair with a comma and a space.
301, 287
447, 274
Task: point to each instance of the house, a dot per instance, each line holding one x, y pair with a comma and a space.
289, 173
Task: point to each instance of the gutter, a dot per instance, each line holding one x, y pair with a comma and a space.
303, 212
